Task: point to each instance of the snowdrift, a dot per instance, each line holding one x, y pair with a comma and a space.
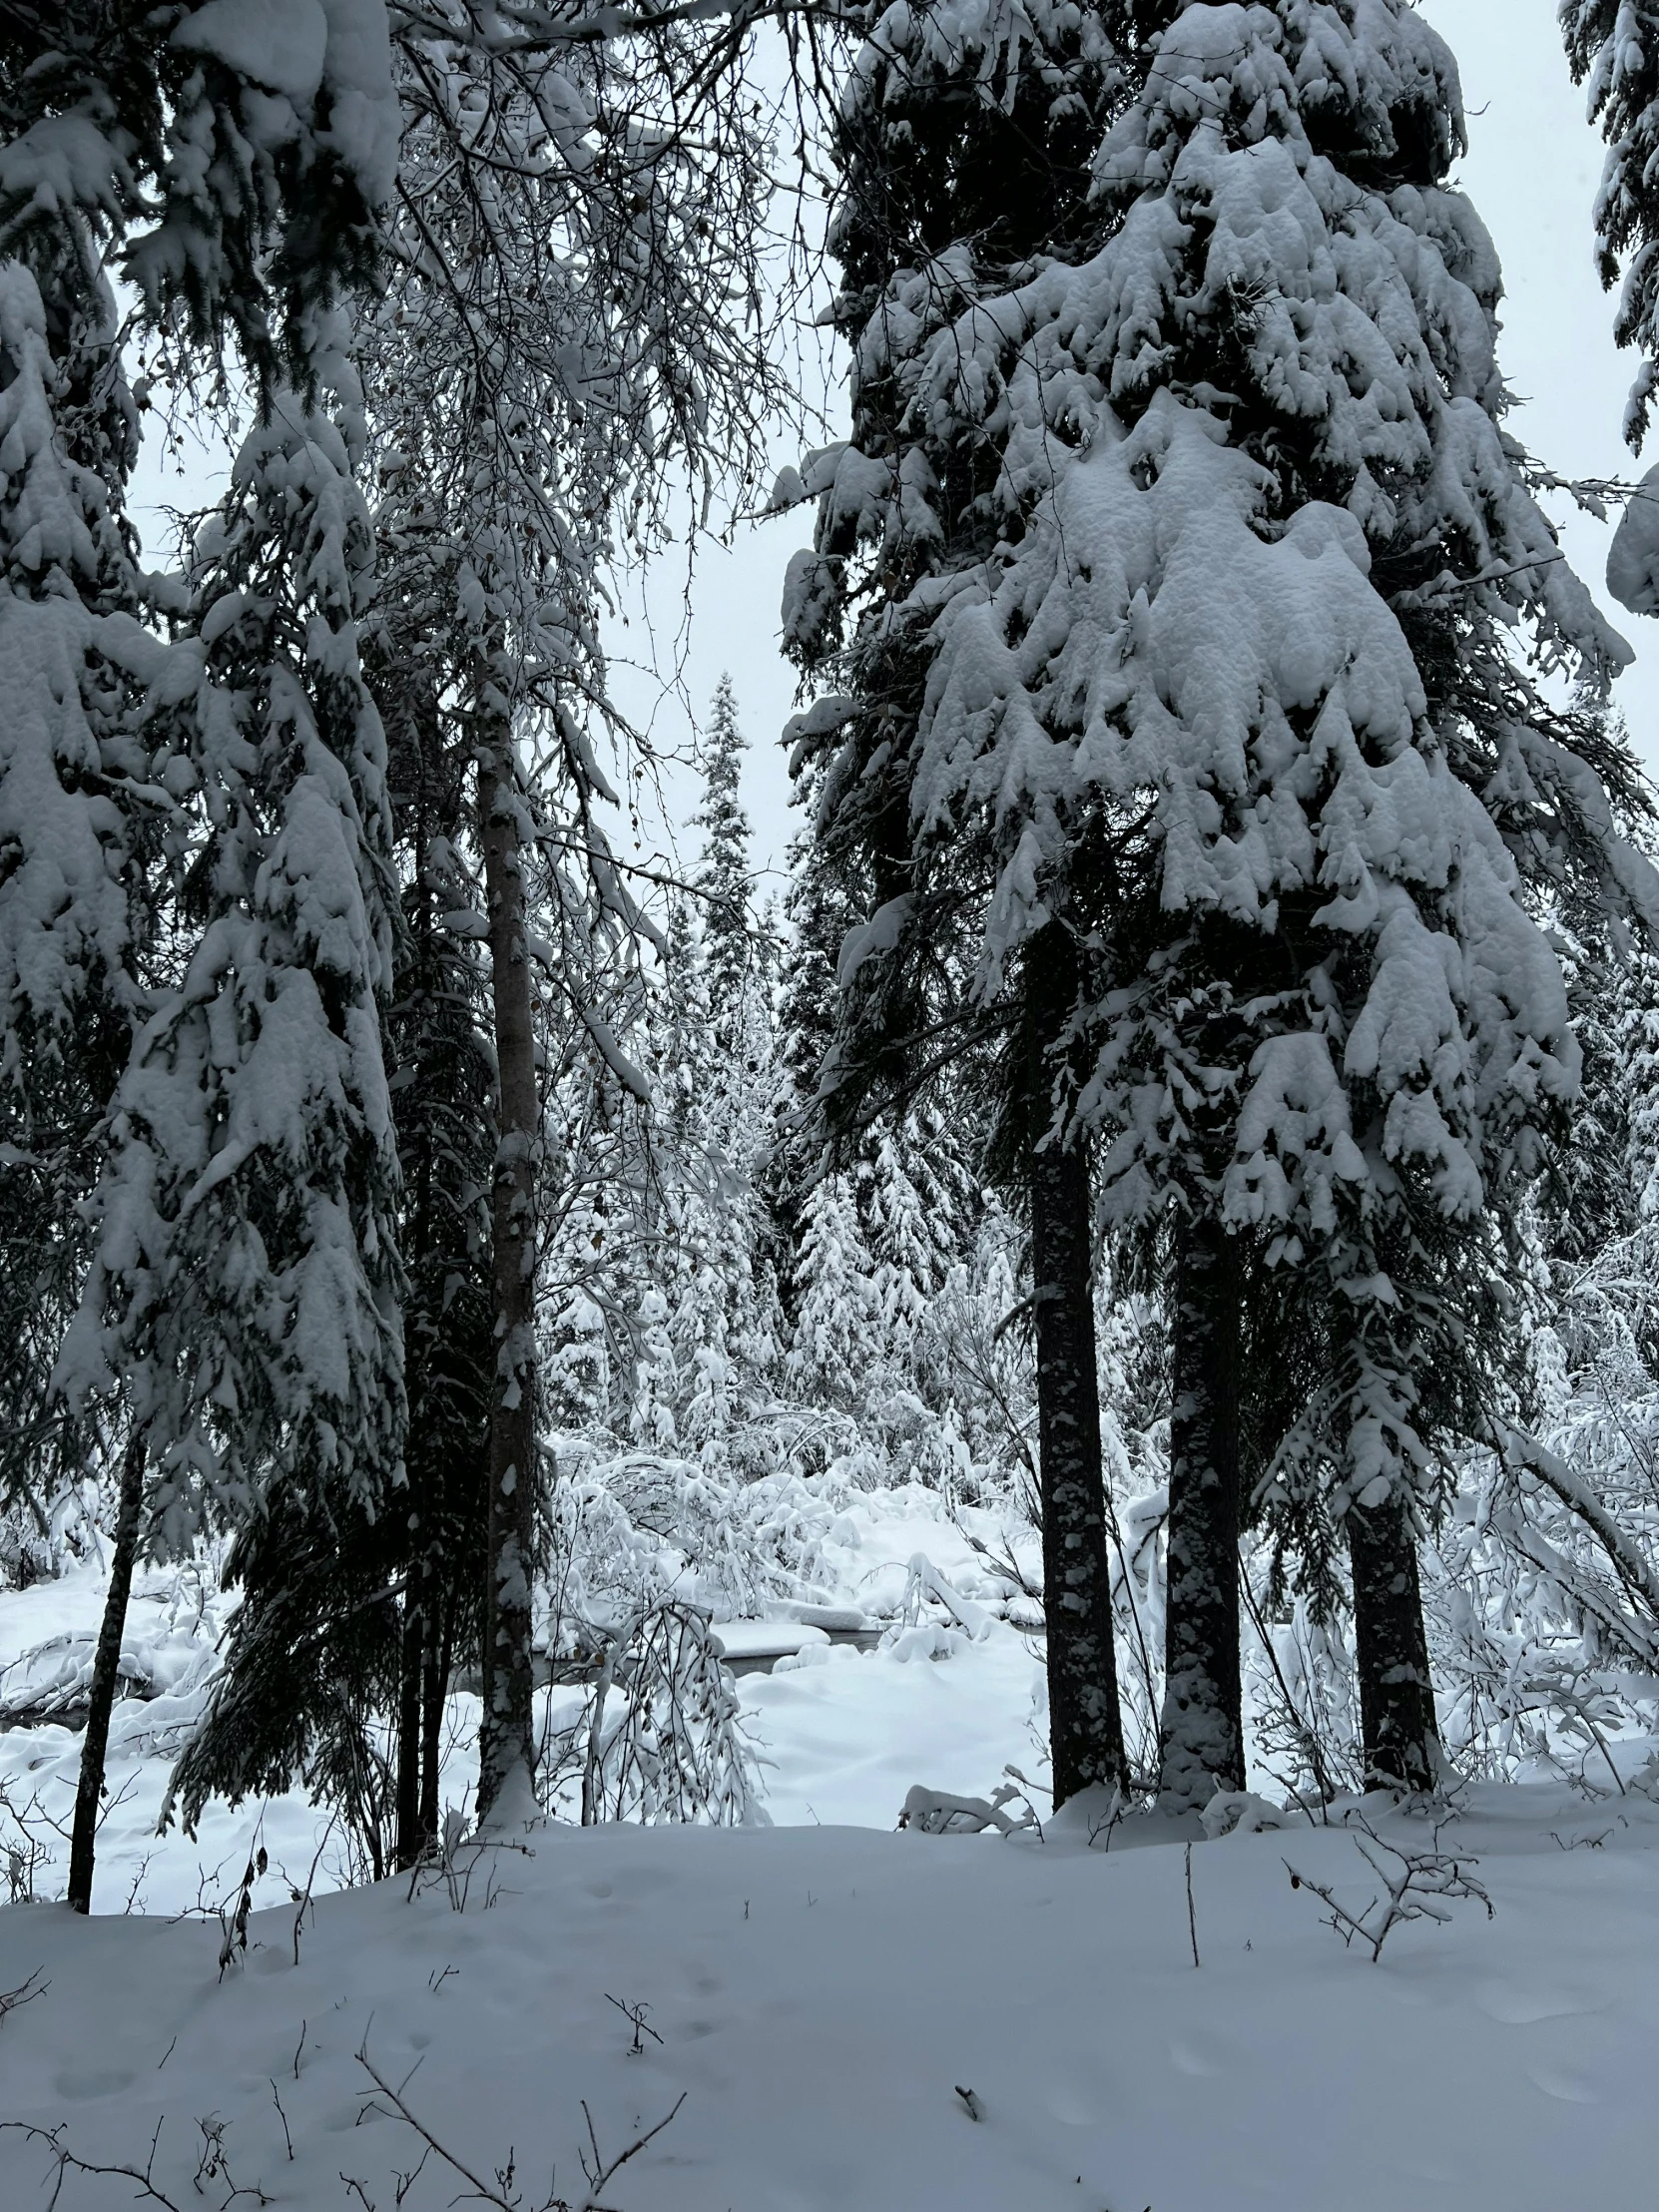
843, 2019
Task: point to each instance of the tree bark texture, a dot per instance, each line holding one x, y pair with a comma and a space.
439, 1661
410, 1840
1398, 1724
104, 1668
1201, 1730
1084, 1720
507, 1732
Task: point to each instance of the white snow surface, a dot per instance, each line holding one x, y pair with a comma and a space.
843, 1734
821, 1996
823, 1988
767, 1639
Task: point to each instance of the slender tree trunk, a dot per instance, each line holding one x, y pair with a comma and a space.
1084, 1721
1201, 1732
104, 1666
1397, 1696
412, 1841
507, 1735
439, 1660
411, 1835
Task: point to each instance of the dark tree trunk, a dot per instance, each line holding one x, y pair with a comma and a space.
438, 1661
1397, 1696
104, 1665
1084, 1721
1201, 1732
507, 1734
411, 1838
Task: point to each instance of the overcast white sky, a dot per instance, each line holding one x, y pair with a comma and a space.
1532, 171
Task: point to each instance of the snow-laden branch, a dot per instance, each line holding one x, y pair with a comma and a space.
1521, 1451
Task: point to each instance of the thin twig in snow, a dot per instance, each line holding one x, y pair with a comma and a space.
1422, 1890
304, 1898
24, 1994
599, 2172
501, 2192
281, 2116
67, 2162
1192, 1916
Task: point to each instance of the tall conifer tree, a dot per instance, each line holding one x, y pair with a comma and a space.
723, 877
962, 144
153, 138
245, 1288
441, 1077
1237, 680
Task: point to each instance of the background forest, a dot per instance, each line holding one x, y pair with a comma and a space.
1174, 1173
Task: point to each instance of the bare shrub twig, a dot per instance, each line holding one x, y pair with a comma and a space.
67, 2162
24, 1994
1422, 1887
502, 2192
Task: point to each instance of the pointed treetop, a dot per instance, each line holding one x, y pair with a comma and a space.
723, 877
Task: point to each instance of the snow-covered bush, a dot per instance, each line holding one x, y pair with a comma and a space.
630, 1525
658, 1735
38, 1539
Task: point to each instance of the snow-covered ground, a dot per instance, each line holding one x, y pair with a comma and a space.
823, 1996
841, 1734
823, 1991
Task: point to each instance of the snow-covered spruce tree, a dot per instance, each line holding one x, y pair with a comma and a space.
1588, 1196
659, 1306
701, 1213
1635, 1058
962, 138
137, 133
370, 1652
920, 1210
671, 1186
1613, 44
79, 829
244, 1285
1239, 682
80, 832
232, 156
708, 1045
619, 1169
441, 1078
835, 1345
816, 915
723, 877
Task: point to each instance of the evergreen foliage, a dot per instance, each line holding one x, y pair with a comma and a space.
1613, 49
247, 1288
1632, 1076
942, 102
723, 878
239, 1326
84, 831
1232, 696
235, 161
1201, 1100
